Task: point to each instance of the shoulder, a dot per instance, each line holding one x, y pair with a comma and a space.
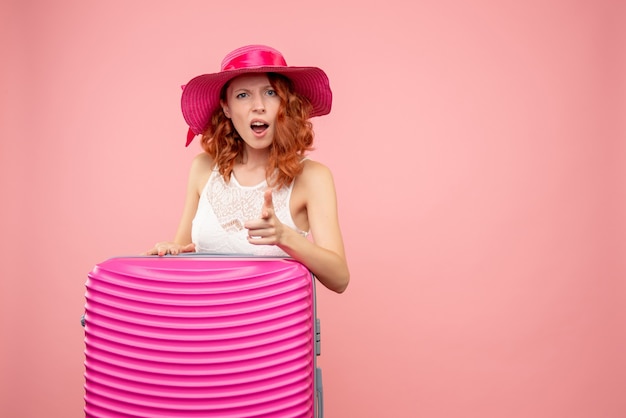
201, 167
314, 172
201, 164
202, 161
316, 180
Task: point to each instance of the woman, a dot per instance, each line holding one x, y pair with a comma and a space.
253, 191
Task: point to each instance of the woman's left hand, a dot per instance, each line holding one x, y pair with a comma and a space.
266, 230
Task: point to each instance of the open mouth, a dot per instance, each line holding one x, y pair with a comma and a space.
259, 127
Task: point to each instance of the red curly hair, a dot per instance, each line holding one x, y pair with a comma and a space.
292, 139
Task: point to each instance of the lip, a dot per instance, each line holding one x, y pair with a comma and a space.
259, 134
258, 120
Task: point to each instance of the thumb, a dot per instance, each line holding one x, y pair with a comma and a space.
268, 204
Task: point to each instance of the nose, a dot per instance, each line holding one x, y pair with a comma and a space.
259, 104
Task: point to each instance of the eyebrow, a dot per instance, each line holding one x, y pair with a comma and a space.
268, 86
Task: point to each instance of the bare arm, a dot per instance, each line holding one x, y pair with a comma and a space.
198, 175
325, 257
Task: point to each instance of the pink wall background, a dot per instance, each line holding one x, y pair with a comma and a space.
479, 155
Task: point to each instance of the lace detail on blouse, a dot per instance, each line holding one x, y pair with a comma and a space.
218, 226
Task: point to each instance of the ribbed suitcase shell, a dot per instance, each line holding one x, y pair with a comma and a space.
169, 337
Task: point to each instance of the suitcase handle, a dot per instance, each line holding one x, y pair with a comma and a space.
319, 390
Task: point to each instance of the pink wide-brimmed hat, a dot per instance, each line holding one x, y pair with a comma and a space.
201, 96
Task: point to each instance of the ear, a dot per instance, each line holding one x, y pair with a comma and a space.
225, 109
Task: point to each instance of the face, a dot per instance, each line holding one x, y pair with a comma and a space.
252, 105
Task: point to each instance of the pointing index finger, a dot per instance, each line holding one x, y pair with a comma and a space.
268, 204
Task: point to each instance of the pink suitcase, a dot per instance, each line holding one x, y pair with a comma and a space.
201, 336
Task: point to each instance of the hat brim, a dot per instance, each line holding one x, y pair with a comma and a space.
201, 96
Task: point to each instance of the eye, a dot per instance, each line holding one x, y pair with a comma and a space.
271, 92
241, 95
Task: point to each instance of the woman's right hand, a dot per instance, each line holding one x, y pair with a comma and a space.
165, 247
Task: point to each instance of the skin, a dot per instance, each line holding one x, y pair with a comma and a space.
313, 203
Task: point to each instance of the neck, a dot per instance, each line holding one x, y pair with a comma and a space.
254, 157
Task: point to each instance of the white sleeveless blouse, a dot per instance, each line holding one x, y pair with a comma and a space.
218, 227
